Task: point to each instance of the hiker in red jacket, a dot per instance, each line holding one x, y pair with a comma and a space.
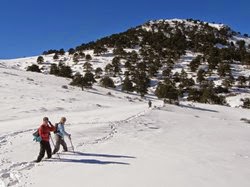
44, 133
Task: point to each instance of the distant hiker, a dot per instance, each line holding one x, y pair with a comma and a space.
59, 135
44, 133
149, 103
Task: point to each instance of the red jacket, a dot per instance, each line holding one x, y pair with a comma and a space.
44, 131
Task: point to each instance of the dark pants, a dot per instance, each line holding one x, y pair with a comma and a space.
44, 146
59, 141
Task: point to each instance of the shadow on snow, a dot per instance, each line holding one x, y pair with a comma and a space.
87, 161
77, 153
197, 108
91, 161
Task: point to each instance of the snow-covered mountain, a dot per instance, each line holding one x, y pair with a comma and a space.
118, 140
157, 42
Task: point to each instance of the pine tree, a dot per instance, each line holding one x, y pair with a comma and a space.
98, 72
242, 81
87, 66
228, 82
170, 63
195, 63
194, 95
133, 57
65, 71
89, 79
83, 82
61, 70
116, 66
206, 95
141, 66
200, 76
109, 70
71, 51
76, 57
167, 73
153, 70
119, 51
98, 50
183, 75
78, 80
51, 51
167, 91
224, 69
187, 83
127, 65
56, 57
246, 60
127, 85
81, 55
54, 70
246, 103
213, 62
241, 44
107, 82
40, 60
127, 73
88, 57
141, 81
34, 68
209, 95
61, 52
176, 77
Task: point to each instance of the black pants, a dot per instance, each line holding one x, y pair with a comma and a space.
59, 141
44, 146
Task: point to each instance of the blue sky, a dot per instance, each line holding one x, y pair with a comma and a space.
28, 27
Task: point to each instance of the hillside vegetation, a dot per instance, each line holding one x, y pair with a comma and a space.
172, 59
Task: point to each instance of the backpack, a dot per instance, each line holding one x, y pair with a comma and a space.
56, 128
36, 136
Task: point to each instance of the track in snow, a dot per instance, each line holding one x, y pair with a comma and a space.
13, 173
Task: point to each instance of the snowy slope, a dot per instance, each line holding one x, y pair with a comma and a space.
102, 60
118, 140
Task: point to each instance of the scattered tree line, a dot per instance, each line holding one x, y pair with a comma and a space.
159, 52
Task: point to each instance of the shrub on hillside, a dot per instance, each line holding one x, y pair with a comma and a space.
246, 103
107, 82
34, 68
61, 71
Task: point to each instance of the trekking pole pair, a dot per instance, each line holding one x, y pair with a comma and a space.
54, 146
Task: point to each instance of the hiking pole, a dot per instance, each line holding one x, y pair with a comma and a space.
54, 146
71, 144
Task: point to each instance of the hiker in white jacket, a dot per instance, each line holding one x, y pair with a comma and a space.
60, 133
